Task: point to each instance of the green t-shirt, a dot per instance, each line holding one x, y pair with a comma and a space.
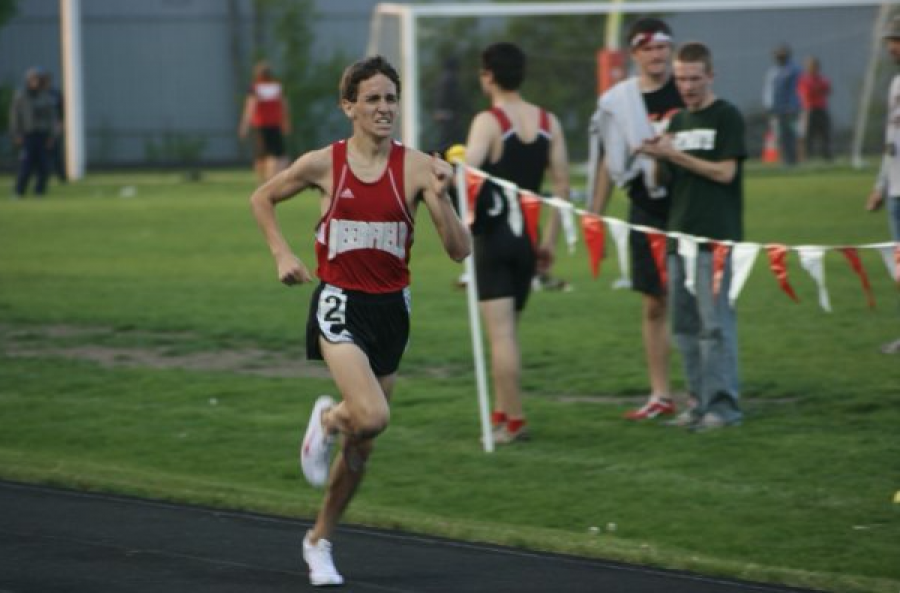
701, 206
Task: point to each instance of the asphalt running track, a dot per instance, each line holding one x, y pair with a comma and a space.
55, 541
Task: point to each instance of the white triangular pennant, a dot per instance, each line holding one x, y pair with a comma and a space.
619, 231
514, 212
513, 209
742, 258
811, 260
687, 249
567, 218
887, 254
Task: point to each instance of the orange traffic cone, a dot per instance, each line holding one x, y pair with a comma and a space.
770, 147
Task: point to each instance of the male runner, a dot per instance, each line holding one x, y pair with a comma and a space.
370, 187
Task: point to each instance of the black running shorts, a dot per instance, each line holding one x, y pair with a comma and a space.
377, 323
644, 273
268, 141
504, 265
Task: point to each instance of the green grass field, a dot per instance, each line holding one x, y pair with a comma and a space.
146, 348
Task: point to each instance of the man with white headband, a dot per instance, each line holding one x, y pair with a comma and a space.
630, 112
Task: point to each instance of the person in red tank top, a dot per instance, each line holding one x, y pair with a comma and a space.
266, 112
368, 187
814, 89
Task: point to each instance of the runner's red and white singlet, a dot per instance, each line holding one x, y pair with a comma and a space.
363, 241
269, 108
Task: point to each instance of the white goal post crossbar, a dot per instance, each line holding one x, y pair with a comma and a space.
409, 14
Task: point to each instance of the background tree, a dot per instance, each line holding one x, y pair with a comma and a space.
442, 40
7, 11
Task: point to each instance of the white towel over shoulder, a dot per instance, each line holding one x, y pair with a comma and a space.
620, 125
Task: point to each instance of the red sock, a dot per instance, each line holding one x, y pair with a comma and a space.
515, 424
498, 418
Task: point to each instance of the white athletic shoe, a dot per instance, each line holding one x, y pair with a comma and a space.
321, 567
315, 450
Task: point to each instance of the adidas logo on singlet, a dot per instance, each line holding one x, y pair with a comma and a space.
347, 193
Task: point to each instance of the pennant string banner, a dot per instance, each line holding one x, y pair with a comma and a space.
743, 254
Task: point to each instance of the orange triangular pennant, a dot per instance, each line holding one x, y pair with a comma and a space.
531, 211
474, 182
658, 249
720, 256
852, 256
778, 264
594, 238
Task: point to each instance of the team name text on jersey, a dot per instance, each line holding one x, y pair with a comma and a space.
349, 235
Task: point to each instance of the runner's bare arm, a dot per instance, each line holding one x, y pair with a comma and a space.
311, 170
559, 180
603, 188
483, 133
433, 177
249, 107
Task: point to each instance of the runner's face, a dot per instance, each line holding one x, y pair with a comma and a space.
652, 58
376, 106
693, 82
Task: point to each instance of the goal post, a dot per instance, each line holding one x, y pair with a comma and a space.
396, 32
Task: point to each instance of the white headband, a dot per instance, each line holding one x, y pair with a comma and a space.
650, 37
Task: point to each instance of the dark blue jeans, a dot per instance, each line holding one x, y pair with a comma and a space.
34, 158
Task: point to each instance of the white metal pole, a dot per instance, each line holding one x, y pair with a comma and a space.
70, 33
865, 98
410, 90
474, 320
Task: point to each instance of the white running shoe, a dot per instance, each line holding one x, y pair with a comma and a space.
315, 450
321, 567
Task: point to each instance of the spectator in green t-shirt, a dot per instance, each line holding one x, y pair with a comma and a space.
701, 158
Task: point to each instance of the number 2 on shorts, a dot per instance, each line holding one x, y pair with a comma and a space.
336, 308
